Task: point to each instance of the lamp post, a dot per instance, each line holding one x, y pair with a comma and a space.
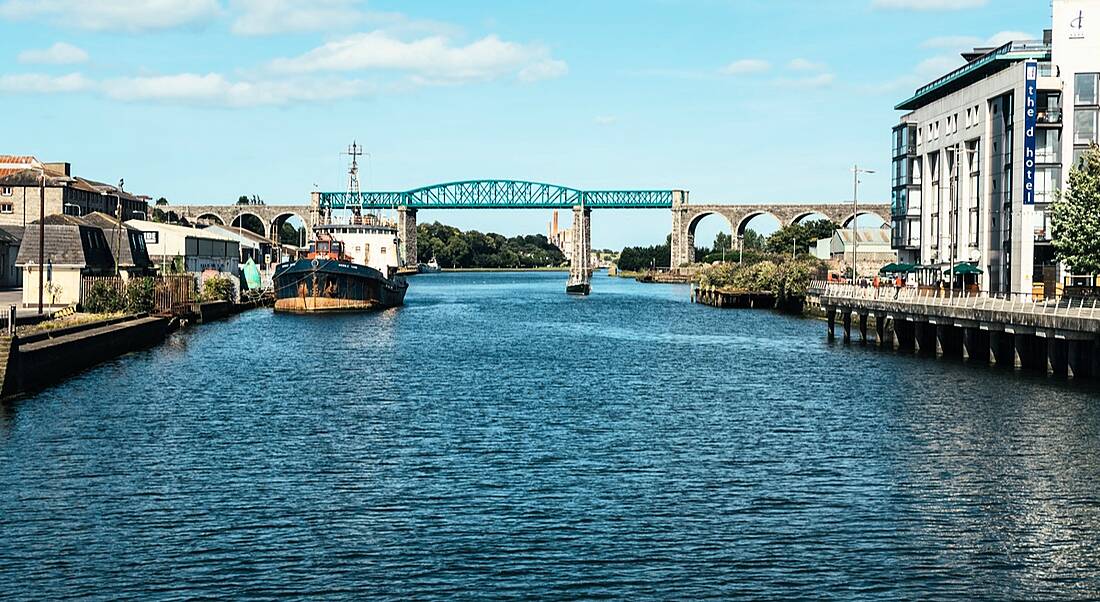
856, 171
41, 235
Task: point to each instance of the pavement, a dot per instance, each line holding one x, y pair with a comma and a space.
10, 296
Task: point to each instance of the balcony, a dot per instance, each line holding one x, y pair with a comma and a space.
1049, 117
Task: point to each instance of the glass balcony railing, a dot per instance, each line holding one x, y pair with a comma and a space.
1049, 116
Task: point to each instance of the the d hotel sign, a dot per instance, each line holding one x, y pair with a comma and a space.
1031, 73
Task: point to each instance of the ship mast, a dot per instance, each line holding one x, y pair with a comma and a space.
355, 195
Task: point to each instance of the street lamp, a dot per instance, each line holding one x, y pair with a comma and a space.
856, 171
41, 234
77, 207
144, 215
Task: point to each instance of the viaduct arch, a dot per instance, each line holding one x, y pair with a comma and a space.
686, 217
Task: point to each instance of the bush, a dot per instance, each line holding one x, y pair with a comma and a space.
140, 295
103, 298
217, 289
786, 278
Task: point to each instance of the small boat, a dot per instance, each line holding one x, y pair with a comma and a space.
578, 286
429, 268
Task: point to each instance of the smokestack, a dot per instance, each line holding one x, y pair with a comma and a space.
554, 224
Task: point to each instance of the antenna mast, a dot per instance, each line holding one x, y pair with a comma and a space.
355, 196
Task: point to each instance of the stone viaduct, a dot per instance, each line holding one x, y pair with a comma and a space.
685, 217
271, 216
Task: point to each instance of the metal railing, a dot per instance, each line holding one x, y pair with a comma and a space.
1019, 303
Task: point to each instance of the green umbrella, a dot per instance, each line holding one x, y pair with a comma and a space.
898, 268
965, 269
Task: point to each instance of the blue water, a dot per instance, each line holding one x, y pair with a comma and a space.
496, 438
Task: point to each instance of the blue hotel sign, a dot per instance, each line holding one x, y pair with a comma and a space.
1031, 108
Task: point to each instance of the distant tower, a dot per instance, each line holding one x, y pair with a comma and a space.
554, 227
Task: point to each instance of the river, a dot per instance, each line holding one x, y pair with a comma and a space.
496, 438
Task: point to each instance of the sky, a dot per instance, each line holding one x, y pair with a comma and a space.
736, 101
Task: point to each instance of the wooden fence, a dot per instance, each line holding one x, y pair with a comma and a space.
169, 291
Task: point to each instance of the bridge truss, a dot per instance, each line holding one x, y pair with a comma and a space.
500, 194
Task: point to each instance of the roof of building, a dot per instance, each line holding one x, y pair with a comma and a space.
864, 235
978, 66
147, 226
69, 241
239, 233
132, 251
11, 234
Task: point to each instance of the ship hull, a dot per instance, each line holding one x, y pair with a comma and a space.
316, 286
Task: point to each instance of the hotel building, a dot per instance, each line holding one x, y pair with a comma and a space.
980, 153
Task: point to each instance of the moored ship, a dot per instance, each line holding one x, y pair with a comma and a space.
352, 263
330, 279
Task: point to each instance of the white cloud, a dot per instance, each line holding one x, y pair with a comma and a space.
265, 17
746, 67
217, 90
605, 120
60, 53
927, 5
37, 83
113, 15
429, 60
821, 80
801, 64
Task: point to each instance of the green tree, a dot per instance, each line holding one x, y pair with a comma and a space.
752, 240
289, 235
162, 201
242, 200
1075, 220
799, 237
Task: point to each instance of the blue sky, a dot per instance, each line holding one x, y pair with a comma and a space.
737, 101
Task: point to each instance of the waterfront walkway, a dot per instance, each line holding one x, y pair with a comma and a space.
1058, 336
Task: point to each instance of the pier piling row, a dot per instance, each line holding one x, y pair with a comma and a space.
1057, 338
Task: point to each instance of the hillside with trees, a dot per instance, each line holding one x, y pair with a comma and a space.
454, 248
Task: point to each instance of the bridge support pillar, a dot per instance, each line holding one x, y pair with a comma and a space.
579, 268
847, 325
1078, 358
863, 328
904, 334
830, 316
406, 231
880, 330
1021, 351
941, 339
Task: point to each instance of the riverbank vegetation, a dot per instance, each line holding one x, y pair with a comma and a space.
454, 248
785, 277
1075, 218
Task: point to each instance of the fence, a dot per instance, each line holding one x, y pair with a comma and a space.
1006, 302
169, 291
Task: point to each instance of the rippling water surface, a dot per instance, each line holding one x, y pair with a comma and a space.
496, 438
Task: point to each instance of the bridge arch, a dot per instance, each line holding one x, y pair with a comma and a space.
239, 222
694, 222
846, 222
743, 223
210, 218
276, 225
805, 216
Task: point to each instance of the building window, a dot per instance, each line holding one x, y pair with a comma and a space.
1050, 107
5, 191
1048, 146
1085, 89
1084, 126
1047, 181
7, 208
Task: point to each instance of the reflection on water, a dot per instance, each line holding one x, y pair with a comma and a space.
499, 438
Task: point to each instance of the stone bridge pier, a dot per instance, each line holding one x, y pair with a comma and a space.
686, 217
406, 231
579, 263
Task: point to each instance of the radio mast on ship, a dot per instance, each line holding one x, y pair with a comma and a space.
355, 195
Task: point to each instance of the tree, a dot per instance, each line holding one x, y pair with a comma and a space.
245, 200
752, 240
799, 236
242, 200
162, 201
289, 235
1075, 220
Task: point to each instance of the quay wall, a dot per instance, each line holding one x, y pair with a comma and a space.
45, 362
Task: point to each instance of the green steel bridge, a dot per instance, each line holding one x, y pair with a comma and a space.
499, 194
